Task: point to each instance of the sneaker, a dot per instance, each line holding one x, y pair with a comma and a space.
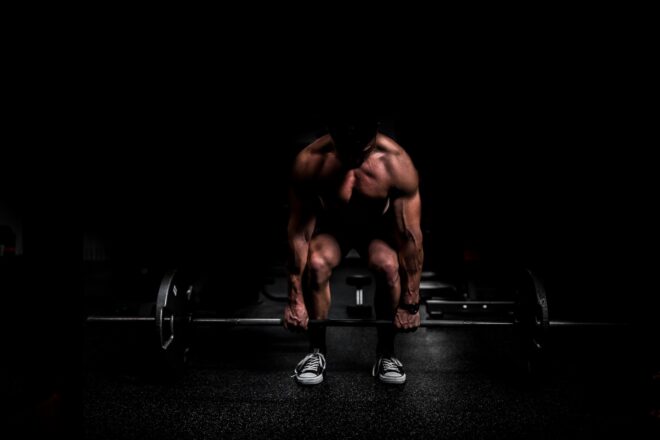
311, 369
389, 369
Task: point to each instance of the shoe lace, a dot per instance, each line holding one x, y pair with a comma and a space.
389, 364
311, 362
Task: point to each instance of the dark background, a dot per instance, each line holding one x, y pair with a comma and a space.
555, 176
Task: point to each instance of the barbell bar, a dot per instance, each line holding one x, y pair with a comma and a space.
274, 322
174, 318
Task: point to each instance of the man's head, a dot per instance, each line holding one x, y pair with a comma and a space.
352, 136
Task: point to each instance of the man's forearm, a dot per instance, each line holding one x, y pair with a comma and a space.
297, 263
411, 260
295, 289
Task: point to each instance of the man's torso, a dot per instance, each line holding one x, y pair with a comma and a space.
360, 192
351, 202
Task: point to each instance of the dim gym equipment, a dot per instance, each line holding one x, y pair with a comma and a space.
359, 309
174, 316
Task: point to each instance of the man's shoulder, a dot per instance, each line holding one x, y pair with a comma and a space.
399, 165
394, 153
312, 160
389, 145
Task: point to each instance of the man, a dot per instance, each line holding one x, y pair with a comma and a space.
354, 188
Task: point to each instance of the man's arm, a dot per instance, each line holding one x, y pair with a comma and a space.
407, 210
408, 213
299, 231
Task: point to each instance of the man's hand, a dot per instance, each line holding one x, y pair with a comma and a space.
406, 321
296, 317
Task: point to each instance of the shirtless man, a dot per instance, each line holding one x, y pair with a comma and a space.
354, 188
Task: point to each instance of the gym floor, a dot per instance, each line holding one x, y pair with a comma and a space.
462, 383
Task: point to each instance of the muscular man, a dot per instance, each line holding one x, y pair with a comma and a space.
354, 188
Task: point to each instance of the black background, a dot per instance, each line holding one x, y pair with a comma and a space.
546, 163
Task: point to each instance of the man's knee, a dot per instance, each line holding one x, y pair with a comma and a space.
319, 267
386, 269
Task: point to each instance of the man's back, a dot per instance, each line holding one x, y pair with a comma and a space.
384, 171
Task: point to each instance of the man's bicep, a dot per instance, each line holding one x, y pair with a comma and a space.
405, 179
408, 213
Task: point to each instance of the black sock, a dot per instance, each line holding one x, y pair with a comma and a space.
317, 338
385, 345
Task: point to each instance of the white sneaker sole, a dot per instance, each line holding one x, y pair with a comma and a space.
310, 380
392, 380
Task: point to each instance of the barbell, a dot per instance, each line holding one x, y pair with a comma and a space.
174, 318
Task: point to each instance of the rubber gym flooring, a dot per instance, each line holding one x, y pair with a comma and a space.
463, 383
